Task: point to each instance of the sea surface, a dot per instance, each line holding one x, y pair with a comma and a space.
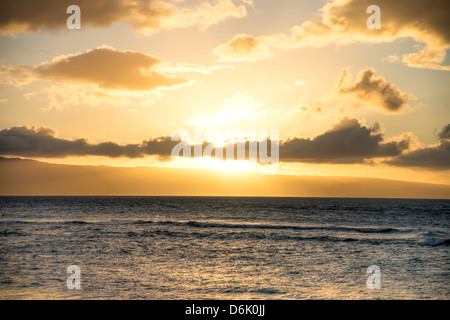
223, 248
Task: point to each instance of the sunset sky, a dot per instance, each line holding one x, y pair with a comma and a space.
346, 100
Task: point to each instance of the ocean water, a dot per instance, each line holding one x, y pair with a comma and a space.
223, 248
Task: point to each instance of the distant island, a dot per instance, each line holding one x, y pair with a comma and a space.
30, 177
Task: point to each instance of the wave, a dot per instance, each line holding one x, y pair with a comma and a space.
203, 225
237, 236
15, 221
77, 222
7, 233
198, 224
45, 222
267, 291
436, 242
434, 234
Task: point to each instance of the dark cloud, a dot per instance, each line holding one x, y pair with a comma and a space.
417, 18
376, 91
435, 157
38, 15
42, 142
24, 15
348, 141
445, 133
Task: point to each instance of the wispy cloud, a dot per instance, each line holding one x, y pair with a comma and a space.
182, 67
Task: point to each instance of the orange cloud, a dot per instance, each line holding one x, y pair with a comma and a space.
144, 15
375, 91
103, 66
244, 47
367, 90
344, 21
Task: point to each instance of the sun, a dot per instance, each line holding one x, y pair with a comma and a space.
216, 164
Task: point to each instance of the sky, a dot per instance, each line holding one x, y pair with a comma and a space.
341, 99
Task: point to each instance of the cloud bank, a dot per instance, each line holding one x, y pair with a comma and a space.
43, 142
347, 141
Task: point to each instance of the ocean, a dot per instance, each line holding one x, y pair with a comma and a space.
223, 248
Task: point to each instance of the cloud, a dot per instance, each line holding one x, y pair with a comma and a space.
43, 142
206, 13
315, 108
297, 83
429, 58
344, 21
15, 74
347, 141
182, 67
444, 133
144, 15
60, 97
375, 91
435, 157
391, 58
104, 67
366, 90
244, 47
